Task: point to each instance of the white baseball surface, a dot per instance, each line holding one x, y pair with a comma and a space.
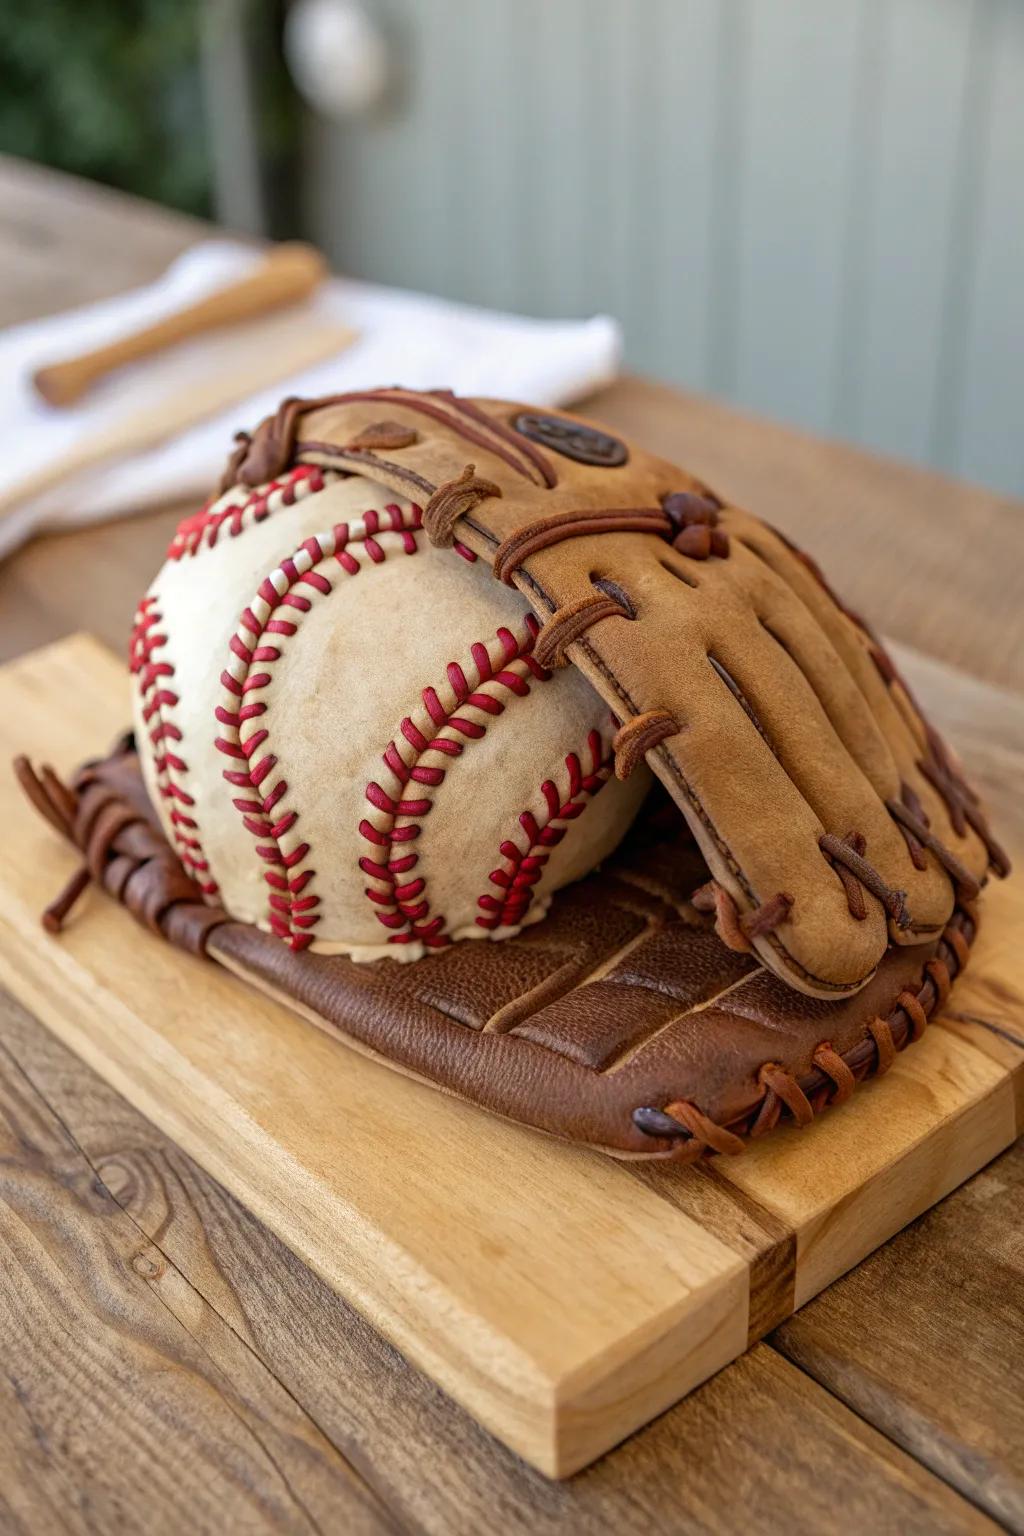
345, 733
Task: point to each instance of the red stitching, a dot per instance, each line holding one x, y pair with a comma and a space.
203, 528
524, 867
255, 647
397, 894
158, 700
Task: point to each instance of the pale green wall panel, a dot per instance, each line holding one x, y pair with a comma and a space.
919, 100
989, 432
799, 117
811, 207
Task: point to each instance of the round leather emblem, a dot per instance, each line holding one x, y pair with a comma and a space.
572, 439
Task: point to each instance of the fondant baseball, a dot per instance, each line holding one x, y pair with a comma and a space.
345, 731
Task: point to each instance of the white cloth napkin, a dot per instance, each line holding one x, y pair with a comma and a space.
403, 338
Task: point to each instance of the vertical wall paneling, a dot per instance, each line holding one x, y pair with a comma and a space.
848, 359
560, 206
799, 126
991, 426
444, 107
812, 207
967, 177
684, 61
919, 99
731, 83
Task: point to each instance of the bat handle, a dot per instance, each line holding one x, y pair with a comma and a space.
288, 273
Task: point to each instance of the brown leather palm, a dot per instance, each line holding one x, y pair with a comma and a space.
621, 1021
830, 816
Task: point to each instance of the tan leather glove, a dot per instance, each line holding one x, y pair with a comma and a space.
830, 815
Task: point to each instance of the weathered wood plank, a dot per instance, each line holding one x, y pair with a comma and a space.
745, 1450
126, 1401
925, 1340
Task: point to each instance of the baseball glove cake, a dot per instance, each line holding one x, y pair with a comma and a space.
429, 670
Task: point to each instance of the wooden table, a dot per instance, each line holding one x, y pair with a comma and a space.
165, 1362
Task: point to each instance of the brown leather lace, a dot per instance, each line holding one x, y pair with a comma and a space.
885, 1046
735, 929
775, 1079
695, 515
545, 531
915, 1013
571, 622
905, 818
261, 456
833, 1066
123, 852
639, 736
911, 801
938, 970
847, 858
835, 1075
702, 1129
453, 500
699, 542
939, 769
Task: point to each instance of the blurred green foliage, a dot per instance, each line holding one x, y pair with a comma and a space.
110, 89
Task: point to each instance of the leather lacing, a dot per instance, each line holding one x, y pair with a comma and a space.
639, 736
453, 500
846, 855
833, 1075
695, 514
737, 930
531, 538
572, 621
691, 516
688, 518
916, 826
123, 852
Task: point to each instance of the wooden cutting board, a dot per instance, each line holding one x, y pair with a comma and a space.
562, 1298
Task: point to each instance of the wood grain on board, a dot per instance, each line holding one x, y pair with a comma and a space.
107, 1345
744, 1451
925, 1338
450, 1230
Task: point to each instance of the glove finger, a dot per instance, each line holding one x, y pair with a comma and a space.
777, 680
754, 825
795, 629
913, 746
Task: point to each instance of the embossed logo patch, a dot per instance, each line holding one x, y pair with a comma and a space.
572, 439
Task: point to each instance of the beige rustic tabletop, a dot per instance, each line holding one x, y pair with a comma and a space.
260, 1401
